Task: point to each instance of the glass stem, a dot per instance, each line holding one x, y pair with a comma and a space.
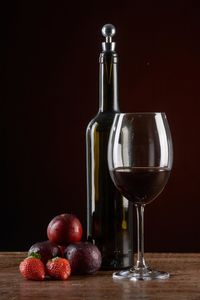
140, 237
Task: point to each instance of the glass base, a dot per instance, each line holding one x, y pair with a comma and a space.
140, 274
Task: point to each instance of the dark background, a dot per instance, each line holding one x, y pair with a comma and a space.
49, 92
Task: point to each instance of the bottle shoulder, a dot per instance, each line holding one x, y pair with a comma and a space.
102, 119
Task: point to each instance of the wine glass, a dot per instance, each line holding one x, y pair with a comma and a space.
140, 158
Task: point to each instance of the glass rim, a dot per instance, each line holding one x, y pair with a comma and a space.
141, 113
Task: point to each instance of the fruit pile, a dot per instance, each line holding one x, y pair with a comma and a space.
63, 254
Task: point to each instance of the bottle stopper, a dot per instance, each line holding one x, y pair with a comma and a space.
108, 31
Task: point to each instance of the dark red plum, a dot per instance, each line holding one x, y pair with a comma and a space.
46, 249
84, 258
65, 229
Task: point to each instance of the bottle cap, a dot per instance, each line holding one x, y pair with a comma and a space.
108, 31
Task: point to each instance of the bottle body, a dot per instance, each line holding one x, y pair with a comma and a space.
109, 215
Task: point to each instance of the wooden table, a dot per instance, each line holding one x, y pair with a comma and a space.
183, 284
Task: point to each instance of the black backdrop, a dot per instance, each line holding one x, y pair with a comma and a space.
49, 92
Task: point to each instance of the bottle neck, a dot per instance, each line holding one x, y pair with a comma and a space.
108, 82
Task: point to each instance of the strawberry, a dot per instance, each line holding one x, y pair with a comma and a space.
58, 268
32, 267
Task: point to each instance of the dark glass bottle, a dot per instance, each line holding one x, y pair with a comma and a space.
109, 215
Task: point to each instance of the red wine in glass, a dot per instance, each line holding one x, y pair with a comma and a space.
140, 184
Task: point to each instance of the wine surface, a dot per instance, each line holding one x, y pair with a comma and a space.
140, 184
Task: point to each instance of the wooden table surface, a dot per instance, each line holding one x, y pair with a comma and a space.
183, 284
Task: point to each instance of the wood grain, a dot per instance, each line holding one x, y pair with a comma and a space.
183, 284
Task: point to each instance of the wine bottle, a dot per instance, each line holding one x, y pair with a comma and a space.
109, 215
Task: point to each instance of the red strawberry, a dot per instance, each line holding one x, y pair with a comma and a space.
32, 267
58, 268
